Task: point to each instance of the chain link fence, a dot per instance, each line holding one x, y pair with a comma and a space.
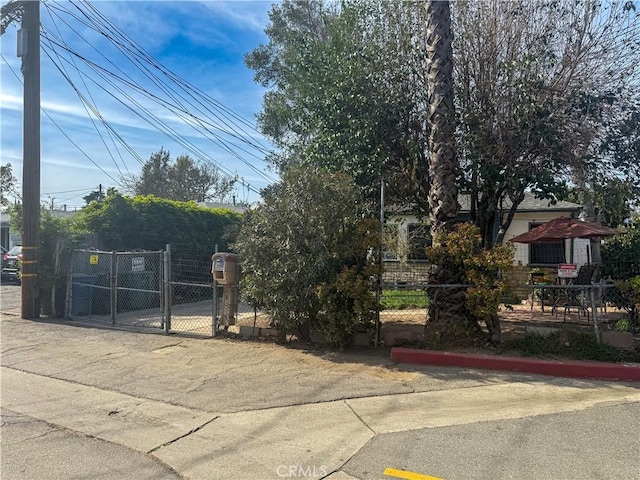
117, 288
174, 290
191, 290
171, 290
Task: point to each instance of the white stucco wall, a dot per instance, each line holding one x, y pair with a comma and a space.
519, 225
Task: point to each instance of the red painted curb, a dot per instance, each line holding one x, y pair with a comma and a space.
571, 369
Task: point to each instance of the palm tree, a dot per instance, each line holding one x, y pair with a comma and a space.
448, 315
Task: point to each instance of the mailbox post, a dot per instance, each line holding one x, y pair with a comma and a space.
225, 271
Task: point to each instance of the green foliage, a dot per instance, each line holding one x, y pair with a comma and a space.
621, 147
305, 255
538, 107
627, 296
8, 184
149, 223
461, 249
57, 241
183, 179
58, 238
621, 253
346, 95
612, 200
531, 107
573, 344
348, 305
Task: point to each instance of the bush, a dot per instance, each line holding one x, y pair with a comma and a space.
149, 223
572, 344
621, 254
57, 240
306, 256
461, 251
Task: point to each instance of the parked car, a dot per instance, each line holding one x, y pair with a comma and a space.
11, 263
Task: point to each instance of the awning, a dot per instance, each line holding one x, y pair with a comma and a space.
564, 227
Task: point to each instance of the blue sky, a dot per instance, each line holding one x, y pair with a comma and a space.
203, 42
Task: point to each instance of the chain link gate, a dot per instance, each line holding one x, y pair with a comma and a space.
171, 290
117, 288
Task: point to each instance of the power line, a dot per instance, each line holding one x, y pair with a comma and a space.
95, 20
60, 128
93, 101
177, 108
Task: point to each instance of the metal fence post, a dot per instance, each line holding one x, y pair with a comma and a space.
214, 306
68, 299
113, 287
167, 289
594, 314
214, 316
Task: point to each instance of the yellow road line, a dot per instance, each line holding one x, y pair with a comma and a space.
392, 472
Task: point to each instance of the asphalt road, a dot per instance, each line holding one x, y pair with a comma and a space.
598, 443
32, 448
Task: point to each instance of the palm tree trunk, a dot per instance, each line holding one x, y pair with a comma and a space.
443, 195
448, 315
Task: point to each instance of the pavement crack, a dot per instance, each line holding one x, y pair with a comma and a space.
53, 430
360, 418
193, 430
22, 347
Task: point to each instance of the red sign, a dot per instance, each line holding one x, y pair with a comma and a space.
567, 270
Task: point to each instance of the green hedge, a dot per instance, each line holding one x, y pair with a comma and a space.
149, 223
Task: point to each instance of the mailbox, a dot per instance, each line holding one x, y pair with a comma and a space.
225, 268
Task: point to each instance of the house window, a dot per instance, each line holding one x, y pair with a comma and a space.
546, 253
419, 238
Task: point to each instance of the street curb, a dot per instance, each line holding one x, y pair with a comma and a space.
571, 369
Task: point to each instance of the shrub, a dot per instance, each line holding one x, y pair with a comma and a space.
621, 254
306, 255
482, 269
149, 223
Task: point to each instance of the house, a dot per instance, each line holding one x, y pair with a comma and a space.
406, 236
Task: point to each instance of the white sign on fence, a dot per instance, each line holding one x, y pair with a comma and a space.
137, 264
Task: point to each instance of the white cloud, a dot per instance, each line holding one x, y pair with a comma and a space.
203, 42
248, 14
10, 102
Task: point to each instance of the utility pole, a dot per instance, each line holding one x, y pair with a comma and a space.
29, 47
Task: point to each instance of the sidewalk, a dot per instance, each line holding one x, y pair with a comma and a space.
214, 408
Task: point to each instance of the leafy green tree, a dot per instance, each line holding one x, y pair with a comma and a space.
612, 200
536, 84
343, 97
621, 253
305, 255
183, 179
8, 185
